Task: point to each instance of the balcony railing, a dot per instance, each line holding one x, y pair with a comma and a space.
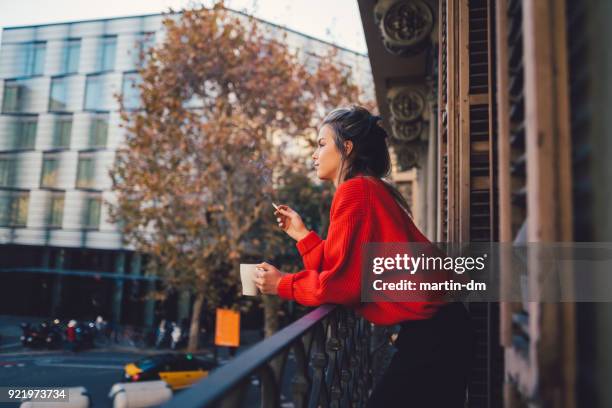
331, 351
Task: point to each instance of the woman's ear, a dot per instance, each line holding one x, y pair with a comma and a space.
348, 146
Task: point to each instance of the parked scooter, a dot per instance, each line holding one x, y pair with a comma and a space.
54, 338
26, 334
36, 335
85, 334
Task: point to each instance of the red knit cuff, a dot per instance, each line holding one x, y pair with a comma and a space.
307, 243
285, 287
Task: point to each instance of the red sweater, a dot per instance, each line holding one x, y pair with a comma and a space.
362, 211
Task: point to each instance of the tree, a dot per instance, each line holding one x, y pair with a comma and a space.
203, 152
312, 201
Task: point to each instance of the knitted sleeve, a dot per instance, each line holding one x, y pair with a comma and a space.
339, 280
311, 249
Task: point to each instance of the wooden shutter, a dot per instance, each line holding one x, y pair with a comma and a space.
535, 193
580, 115
443, 125
467, 145
478, 189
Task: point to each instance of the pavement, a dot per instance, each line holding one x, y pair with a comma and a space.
10, 331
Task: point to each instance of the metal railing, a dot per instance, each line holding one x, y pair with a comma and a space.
331, 366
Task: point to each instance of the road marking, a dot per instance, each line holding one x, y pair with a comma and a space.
72, 365
4, 346
27, 353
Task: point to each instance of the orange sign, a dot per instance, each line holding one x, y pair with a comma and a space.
227, 328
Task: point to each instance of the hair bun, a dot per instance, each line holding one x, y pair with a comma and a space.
373, 120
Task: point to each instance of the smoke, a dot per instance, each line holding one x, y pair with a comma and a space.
262, 169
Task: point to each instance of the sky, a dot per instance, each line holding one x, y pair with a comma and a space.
336, 21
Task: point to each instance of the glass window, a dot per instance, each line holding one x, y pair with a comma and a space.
85, 171
34, 58
131, 90
189, 364
24, 132
143, 43
50, 171
7, 171
107, 53
13, 97
58, 98
20, 209
98, 130
93, 92
91, 212
72, 55
14, 209
55, 211
62, 131
5, 209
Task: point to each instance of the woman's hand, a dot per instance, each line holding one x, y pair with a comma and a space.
291, 222
267, 278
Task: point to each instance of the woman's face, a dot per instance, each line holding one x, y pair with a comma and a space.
327, 158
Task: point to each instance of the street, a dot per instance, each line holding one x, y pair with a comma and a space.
96, 370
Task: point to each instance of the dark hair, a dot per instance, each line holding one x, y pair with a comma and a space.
370, 154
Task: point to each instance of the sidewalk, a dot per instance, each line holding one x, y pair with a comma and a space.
10, 343
10, 330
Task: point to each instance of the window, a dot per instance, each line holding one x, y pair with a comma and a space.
131, 90
85, 171
407, 189
107, 53
72, 55
143, 43
33, 58
24, 132
12, 100
14, 208
50, 171
58, 98
188, 364
7, 171
91, 212
93, 92
55, 211
98, 130
62, 131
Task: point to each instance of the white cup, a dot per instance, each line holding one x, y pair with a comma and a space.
247, 276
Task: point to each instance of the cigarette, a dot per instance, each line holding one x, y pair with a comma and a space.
275, 206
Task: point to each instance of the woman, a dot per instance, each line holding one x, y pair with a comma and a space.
433, 359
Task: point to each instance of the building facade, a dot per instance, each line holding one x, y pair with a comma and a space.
502, 109
59, 129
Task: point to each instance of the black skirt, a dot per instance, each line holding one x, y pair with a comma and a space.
432, 363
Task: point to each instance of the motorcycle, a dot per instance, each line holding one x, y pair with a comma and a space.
45, 334
86, 334
55, 337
